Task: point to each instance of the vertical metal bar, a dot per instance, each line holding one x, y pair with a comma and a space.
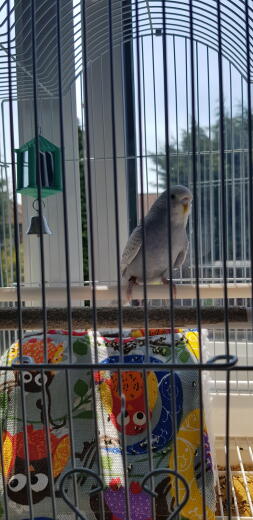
215, 373
211, 184
250, 165
242, 190
38, 173
138, 56
167, 162
104, 129
236, 352
176, 106
129, 108
65, 206
149, 445
91, 224
48, 443
17, 256
89, 181
155, 110
227, 156
144, 120
224, 241
66, 235
198, 166
196, 243
188, 146
114, 160
233, 179
71, 433
97, 440
124, 451
115, 177
138, 61
222, 168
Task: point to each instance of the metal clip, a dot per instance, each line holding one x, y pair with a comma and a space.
230, 360
26, 360
87, 471
175, 474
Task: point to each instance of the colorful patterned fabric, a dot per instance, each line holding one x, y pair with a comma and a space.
82, 419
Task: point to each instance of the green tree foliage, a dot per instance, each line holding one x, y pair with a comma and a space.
7, 248
208, 174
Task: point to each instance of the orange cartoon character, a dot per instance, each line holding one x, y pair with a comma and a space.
15, 467
133, 387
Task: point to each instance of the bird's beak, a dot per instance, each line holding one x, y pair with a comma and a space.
186, 205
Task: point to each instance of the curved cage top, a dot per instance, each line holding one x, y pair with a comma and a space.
16, 21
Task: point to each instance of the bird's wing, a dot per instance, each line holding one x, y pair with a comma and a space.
132, 248
182, 255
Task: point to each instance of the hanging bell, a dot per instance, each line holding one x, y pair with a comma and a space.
34, 228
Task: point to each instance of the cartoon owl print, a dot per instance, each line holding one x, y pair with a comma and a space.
133, 387
33, 380
15, 468
140, 502
33, 348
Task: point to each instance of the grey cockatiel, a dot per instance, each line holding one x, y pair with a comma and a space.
156, 234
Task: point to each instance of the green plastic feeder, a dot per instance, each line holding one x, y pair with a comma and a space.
50, 169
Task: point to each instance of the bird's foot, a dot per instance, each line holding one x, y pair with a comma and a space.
166, 281
131, 283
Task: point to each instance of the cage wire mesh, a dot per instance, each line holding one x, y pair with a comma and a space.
138, 96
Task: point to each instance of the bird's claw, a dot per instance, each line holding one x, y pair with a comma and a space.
131, 283
166, 281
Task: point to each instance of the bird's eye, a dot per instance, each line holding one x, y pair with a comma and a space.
38, 381
139, 418
126, 418
172, 196
39, 482
17, 482
27, 377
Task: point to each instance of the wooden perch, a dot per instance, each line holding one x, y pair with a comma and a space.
108, 317
106, 293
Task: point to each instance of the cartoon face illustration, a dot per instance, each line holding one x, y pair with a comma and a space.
133, 388
34, 348
17, 486
140, 502
33, 380
15, 468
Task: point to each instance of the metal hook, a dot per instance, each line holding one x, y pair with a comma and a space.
88, 471
26, 360
231, 360
34, 202
175, 474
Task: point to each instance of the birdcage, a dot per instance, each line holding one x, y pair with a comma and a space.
136, 96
